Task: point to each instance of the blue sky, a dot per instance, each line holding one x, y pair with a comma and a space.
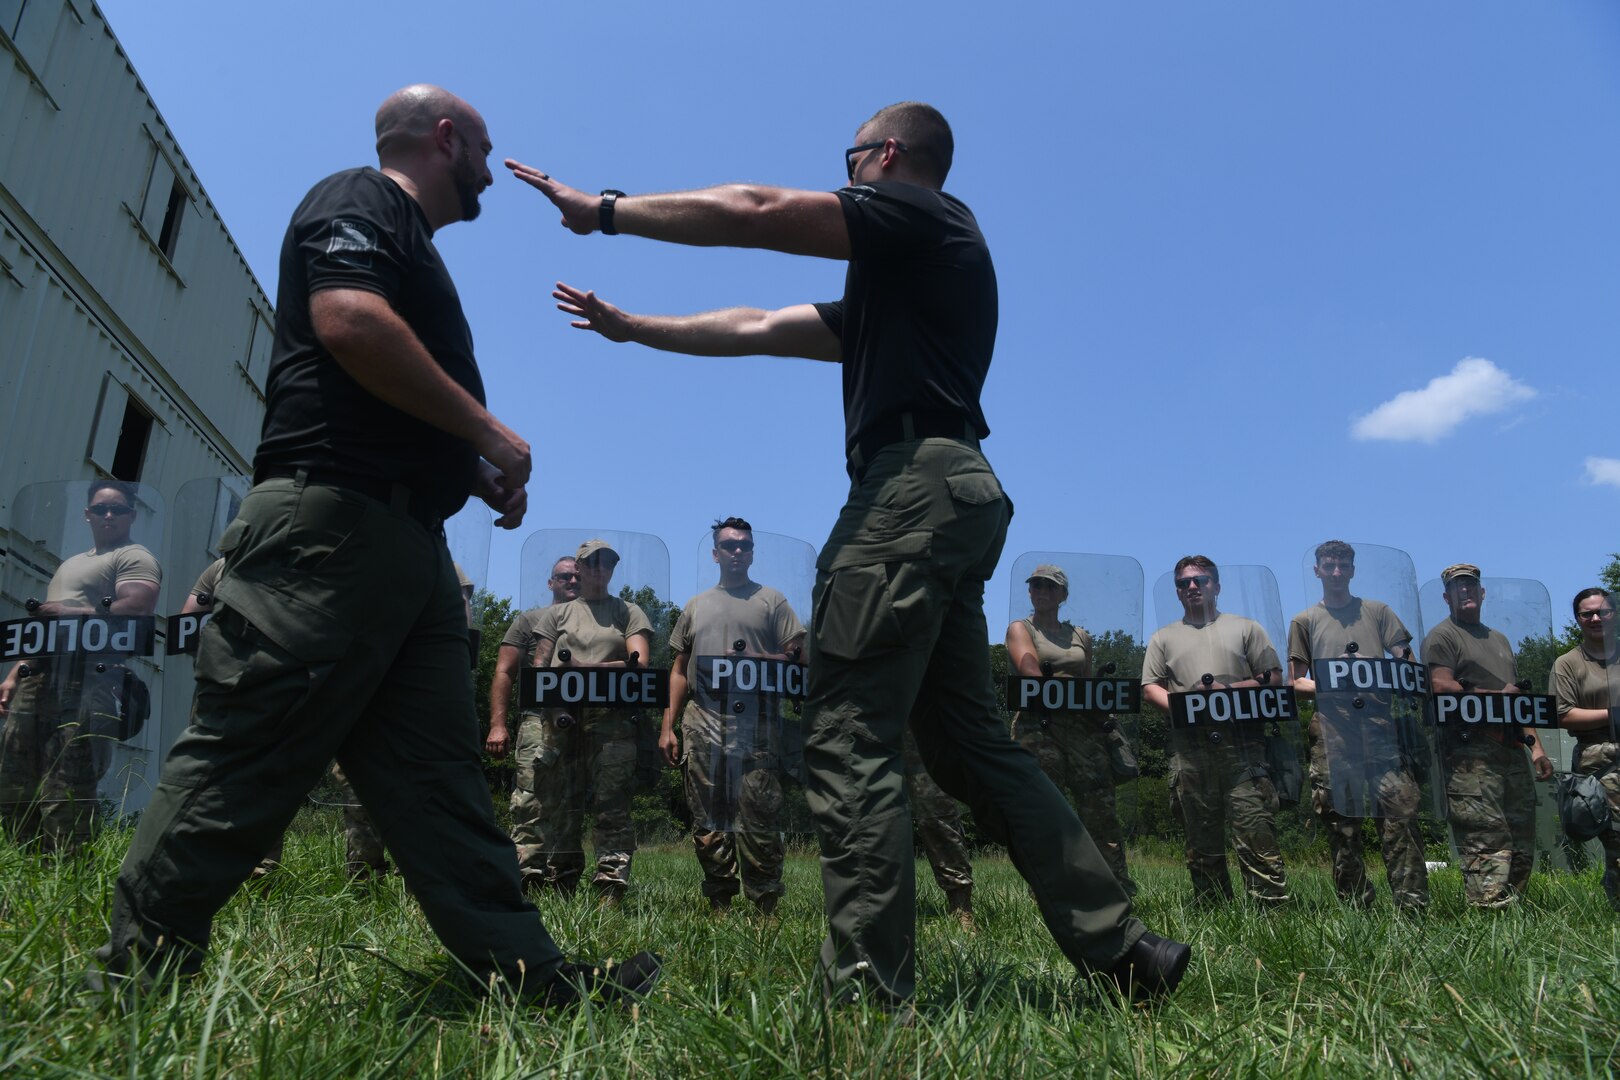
1270, 272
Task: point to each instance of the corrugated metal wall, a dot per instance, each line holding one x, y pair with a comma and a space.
91, 310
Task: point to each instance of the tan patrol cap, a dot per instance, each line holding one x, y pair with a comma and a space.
1050, 573
591, 547
1457, 570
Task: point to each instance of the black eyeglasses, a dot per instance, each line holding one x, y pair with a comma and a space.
1601, 613
736, 545
564, 577
599, 561
853, 152
1201, 580
109, 510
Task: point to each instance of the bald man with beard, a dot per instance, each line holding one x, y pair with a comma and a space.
339, 629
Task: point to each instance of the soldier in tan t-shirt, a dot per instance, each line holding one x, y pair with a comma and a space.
1489, 798
1586, 683
732, 759
56, 735
1229, 779
588, 755
1326, 630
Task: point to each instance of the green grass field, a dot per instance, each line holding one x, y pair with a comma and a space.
314, 977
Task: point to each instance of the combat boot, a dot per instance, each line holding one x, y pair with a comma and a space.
1152, 968
604, 982
959, 902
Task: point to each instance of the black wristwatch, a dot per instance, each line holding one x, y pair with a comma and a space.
604, 214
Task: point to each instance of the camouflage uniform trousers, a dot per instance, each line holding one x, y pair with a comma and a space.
55, 746
1602, 760
1491, 804
562, 770
1399, 798
753, 845
363, 848
938, 818
1217, 783
1073, 751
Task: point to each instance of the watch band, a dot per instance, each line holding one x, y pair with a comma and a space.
604, 214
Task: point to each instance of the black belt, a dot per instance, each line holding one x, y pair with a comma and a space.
905, 427
390, 493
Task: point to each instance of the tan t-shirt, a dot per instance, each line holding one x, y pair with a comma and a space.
1321, 632
208, 581
1479, 657
1580, 681
521, 636
1069, 654
87, 577
714, 620
1229, 647
593, 631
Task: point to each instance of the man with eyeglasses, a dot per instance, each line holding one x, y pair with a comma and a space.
587, 756
1327, 630
57, 736
1586, 684
738, 618
899, 634
1490, 800
1226, 781
538, 866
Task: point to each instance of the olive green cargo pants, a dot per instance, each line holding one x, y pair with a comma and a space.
899, 638
338, 631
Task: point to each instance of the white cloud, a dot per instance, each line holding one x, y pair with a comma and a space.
1475, 387
1603, 470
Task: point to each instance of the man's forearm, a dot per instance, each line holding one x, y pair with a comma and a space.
738, 331
500, 695
739, 215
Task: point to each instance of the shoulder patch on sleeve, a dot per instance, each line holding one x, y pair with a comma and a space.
861, 193
352, 241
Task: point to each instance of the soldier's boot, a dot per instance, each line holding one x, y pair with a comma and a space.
720, 903
766, 904
1152, 968
959, 903
610, 894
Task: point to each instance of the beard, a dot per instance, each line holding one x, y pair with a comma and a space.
468, 184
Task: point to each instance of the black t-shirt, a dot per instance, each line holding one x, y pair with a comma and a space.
918, 317
359, 230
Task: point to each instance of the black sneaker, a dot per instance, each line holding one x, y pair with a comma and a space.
1153, 967
605, 982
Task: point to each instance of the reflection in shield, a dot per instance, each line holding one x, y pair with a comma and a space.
1502, 821
595, 667
1235, 757
1371, 753
1077, 616
81, 586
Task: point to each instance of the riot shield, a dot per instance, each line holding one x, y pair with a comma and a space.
1257, 724
467, 535
1483, 735
592, 706
1080, 716
82, 582
742, 637
1372, 724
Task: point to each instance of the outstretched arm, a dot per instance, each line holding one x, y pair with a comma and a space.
732, 215
790, 331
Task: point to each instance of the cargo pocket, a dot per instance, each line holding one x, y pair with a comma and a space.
855, 617
324, 524
975, 488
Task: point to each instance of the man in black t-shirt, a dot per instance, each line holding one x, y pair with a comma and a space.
339, 627
898, 632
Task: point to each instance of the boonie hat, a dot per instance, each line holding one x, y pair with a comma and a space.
1050, 573
1457, 570
591, 547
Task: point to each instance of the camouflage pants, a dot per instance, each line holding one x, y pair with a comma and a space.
1399, 799
1491, 804
362, 847
55, 747
739, 832
562, 772
1073, 751
938, 818
1602, 760
1217, 784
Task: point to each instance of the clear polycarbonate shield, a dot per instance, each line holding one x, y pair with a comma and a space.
82, 583
467, 535
742, 637
1483, 736
1372, 726
593, 709
1075, 647
1258, 723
